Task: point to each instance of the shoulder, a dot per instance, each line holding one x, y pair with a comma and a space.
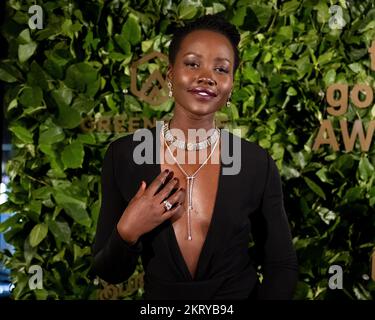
245, 157
128, 142
122, 141
250, 151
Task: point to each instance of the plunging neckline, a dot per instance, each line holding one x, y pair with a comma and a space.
215, 212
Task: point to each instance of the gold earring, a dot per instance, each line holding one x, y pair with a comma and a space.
170, 93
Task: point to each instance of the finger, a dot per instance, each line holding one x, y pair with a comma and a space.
158, 182
167, 189
141, 189
178, 196
172, 211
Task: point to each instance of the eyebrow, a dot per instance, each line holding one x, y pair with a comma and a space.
200, 56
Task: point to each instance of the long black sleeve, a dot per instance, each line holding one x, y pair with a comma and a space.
114, 259
279, 260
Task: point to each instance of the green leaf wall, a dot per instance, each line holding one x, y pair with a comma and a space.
78, 65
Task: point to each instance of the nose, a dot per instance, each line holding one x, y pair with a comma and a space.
205, 77
208, 80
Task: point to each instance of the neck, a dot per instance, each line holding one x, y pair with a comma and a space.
184, 123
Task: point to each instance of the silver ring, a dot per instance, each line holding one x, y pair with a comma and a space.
167, 205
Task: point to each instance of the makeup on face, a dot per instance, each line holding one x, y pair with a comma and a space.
194, 60
202, 74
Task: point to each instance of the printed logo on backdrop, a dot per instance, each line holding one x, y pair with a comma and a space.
119, 291
154, 89
337, 97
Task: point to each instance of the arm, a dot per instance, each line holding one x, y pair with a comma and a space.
114, 258
278, 257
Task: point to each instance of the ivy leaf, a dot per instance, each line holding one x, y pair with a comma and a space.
251, 74
38, 233
62, 95
322, 174
186, 11
24, 36
124, 44
323, 12
365, 168
131, 31
132, 104
74, 207
7, 77
68, 117
29, 251
37, 77
80, 252
25, 51
51, 135
83, 104
285, 33
60, 230
72, 155
353, 194
22, 133
289, 7
325, 58
31, 97
329, 77
8, 223
83, 77
262, 11
314, 187
87, 138
291, 91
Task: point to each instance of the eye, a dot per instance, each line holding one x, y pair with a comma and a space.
222, 70
191, 64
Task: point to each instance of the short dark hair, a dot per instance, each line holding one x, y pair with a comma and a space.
210, 22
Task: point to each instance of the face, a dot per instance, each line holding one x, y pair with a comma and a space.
202, 75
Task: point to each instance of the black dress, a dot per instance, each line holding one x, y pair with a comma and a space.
249, 205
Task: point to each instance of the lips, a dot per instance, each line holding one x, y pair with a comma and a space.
202, 92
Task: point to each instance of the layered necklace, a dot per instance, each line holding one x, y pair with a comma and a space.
189, 146
212, 140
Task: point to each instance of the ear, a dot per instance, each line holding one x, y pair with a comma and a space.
169, 72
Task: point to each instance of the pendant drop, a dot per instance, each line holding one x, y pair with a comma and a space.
189, 225
190, 183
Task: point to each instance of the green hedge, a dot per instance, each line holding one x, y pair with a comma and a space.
78, 65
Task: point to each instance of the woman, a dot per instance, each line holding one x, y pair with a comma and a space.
193, 231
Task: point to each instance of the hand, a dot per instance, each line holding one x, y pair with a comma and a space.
146, 209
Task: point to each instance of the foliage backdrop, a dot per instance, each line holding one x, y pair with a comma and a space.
78, 65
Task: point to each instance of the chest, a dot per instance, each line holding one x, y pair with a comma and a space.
203, 193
